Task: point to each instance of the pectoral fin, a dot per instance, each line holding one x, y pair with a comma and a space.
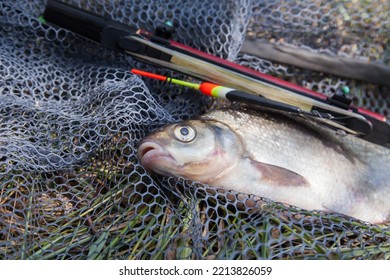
279, 176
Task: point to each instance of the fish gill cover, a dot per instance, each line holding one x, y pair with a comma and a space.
72, 115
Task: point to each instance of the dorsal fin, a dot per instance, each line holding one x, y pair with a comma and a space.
279, 176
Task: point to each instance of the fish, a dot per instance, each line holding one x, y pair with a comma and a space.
287, 159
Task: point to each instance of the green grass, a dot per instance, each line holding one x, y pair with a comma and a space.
109, 208
127, 219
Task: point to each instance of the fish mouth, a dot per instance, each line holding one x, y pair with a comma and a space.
154, 157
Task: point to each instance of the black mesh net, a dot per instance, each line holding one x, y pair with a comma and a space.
72, 115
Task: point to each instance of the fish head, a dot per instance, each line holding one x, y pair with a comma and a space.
196, 149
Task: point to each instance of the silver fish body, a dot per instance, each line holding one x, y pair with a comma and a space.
277, 157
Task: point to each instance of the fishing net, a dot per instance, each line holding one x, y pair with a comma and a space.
72, 115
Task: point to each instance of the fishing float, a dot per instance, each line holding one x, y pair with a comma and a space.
231, 94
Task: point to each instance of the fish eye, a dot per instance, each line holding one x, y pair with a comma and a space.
184, 133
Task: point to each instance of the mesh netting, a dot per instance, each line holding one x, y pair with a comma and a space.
72, 116
358, 29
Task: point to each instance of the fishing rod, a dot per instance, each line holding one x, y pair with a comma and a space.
158, 49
